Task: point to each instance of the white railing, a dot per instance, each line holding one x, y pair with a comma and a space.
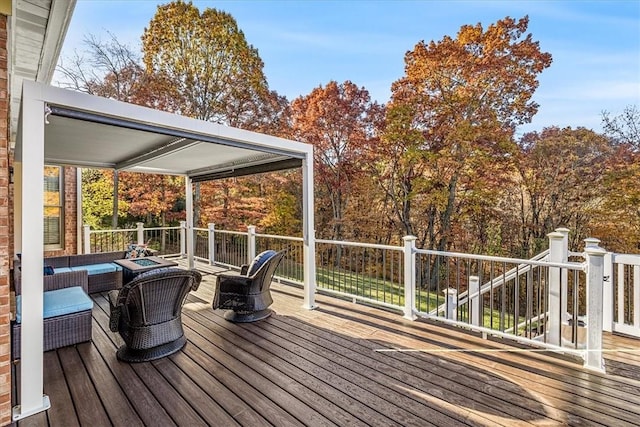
364, 272
164, 240
622, 294
494, 283
541, 301
521, 297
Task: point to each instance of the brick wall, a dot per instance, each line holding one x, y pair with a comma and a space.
6, 237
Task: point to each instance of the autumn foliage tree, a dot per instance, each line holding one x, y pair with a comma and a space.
207, 60
338, 119
440, 161
157, 198
561, 175
621, 200
451, 121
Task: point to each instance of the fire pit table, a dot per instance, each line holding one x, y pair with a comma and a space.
131, 267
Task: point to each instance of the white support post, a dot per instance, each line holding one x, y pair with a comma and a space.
475, 300
251, 243
308, 232
188, 195
183, 239
30, 151
87, 239
451, 303
595, 274
607, 293
212, 243
564, 277
140, 230
17, 206
555, 315
409, 277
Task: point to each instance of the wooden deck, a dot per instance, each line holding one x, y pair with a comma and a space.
341, 364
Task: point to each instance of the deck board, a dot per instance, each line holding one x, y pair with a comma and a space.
341, 364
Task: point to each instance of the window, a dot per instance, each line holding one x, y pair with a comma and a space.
53, 207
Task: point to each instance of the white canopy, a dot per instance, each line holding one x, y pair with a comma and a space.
68, 128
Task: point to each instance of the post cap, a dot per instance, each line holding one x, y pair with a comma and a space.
591, 242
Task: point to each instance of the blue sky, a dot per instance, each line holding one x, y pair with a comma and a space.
595, 44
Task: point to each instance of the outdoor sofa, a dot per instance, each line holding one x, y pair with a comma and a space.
66, 311
104, 274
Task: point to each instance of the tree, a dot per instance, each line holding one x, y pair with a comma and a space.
451, 121
97, 199
561, 182
625, 128
112, 70
620, 208
108, 69
207, 60
338, 120
153, 197
283, 210
232, 203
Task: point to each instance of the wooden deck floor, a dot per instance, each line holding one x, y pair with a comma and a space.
341, 364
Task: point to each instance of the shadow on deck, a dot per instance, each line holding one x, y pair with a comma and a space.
341, 364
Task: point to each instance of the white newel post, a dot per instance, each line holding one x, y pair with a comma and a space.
87, 239
475, 300
607, 293
595, 275
564, 277
451, 298
140, 230
409, 277
555, 315
212, 243
183, 239
251, 243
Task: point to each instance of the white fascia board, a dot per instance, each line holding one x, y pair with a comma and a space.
57, 25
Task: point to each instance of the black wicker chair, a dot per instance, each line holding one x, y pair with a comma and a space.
147, 313
247, 296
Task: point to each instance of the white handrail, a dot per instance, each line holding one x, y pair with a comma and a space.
360, 245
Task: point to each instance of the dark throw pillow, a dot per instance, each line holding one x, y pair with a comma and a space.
259, 261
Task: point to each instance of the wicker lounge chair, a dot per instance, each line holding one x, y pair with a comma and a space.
147, 313
247, 296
